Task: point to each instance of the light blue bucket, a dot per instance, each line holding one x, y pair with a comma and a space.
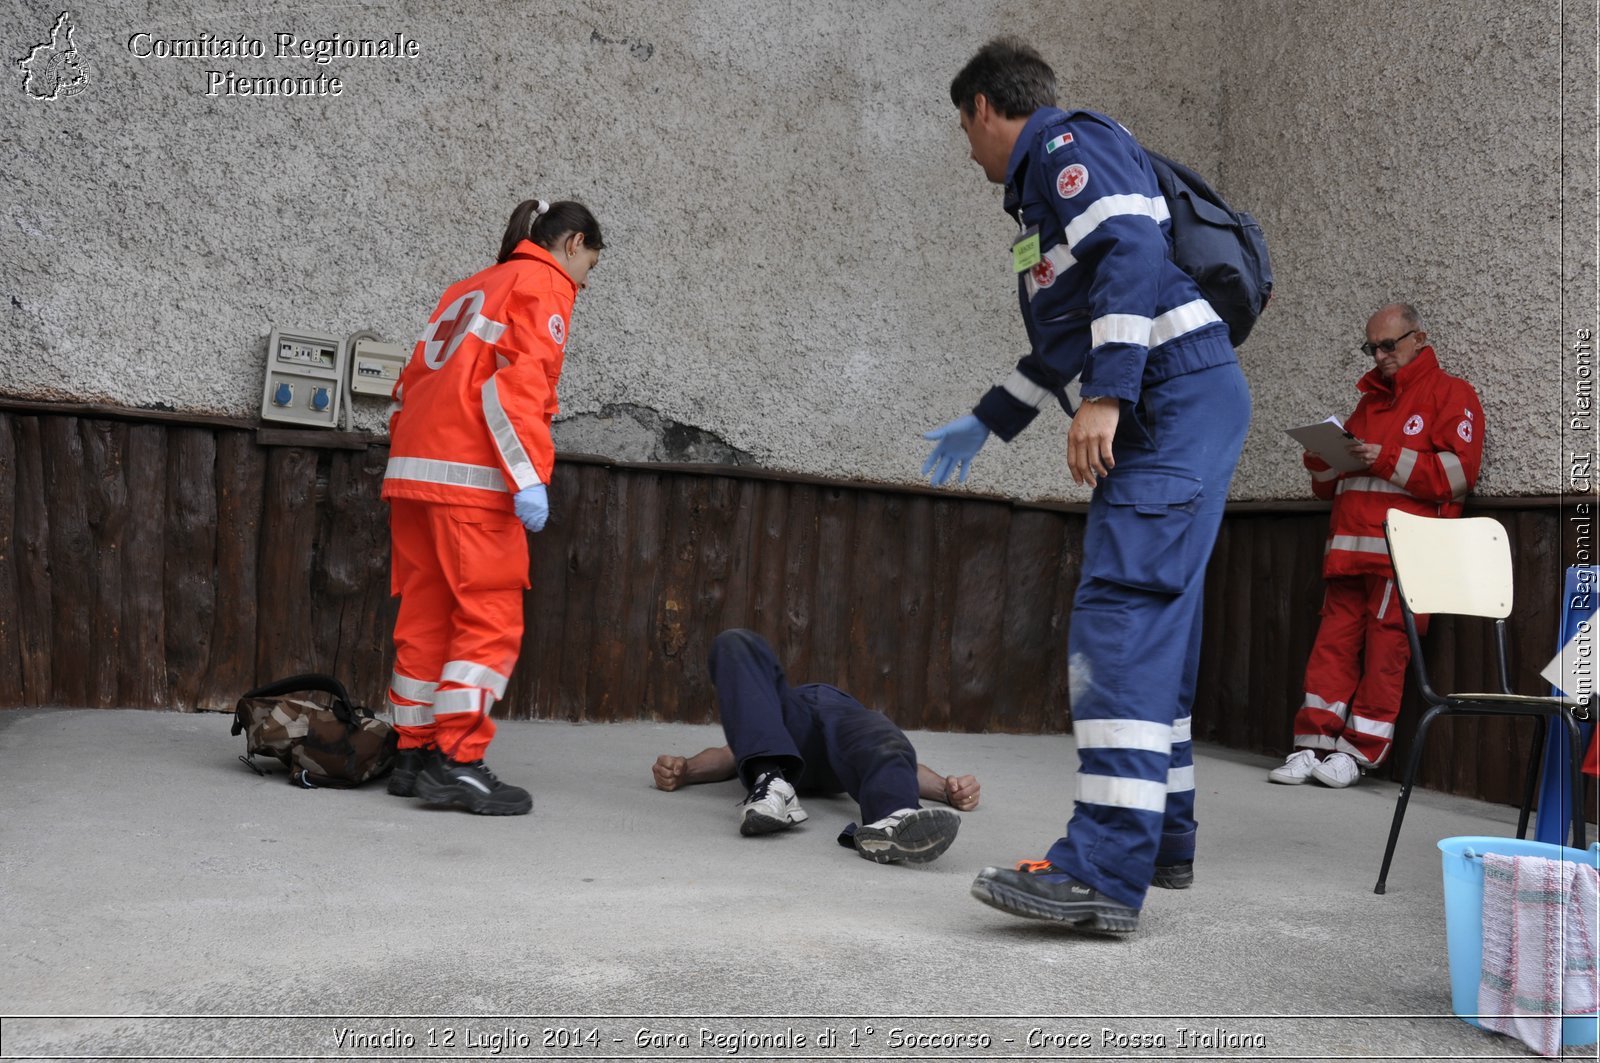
1463, 920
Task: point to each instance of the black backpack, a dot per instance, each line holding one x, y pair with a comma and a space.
1223, 249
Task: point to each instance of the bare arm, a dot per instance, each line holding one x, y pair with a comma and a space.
960, 792
708, 765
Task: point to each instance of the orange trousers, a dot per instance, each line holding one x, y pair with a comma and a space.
460, 573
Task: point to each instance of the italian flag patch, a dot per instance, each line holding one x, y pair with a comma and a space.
1061, 141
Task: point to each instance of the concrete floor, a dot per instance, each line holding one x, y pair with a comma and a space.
160, 900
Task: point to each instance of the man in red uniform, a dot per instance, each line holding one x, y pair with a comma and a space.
1419, 432
470, 455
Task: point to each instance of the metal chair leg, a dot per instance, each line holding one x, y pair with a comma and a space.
1405, 795
1530, 781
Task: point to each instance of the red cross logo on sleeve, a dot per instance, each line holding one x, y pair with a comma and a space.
1070, 181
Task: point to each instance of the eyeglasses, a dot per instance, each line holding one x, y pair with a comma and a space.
1386, 346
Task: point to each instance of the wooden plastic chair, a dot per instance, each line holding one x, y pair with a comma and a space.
1463, 567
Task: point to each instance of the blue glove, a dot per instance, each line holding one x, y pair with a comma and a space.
958, 443
533, 506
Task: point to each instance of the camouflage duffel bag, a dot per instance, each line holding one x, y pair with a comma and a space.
341, 745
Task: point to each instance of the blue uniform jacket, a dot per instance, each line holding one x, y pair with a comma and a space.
1105, 301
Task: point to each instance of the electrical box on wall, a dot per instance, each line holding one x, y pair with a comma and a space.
375, 366
305, 379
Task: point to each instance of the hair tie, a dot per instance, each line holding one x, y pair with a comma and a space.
540, 210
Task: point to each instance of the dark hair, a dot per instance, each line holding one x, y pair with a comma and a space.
1011, 75
547, 224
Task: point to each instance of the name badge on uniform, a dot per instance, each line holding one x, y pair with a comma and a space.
1025, 250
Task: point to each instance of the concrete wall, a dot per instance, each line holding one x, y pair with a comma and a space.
805, 271
1414, 151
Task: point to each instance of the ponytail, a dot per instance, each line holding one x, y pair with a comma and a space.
547, 224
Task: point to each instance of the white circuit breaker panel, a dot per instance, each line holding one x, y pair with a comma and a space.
305, 379
375, 366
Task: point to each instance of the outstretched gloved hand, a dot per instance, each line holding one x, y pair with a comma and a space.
533, 506
957, 444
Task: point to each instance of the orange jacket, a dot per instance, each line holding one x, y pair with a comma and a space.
472, 408
1430, 425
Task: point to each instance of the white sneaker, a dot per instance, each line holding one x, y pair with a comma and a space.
915, 835
770, 806
1337, 770
1296, 770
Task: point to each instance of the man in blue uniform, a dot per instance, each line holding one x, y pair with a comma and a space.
816, 737
1162, 418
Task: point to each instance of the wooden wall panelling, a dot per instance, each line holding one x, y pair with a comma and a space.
832, 561
608, 680
676, 660
716, 520
1279, 611
1237, 645
1054, 680
351, 578
1028, 640
743, 546
104, 448
73, 597
10, 616
31, 550
942, 571
640, 519
239, 483
286, 617
534, 690
910, 698
870, 592
978, 616
373, 659
794, 643
584, 614
189, 599
142, 672
1210, 720
765, 613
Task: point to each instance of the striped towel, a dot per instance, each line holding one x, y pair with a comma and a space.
1539, 921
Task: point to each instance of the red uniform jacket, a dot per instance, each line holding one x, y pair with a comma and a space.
1430, 425
472, 409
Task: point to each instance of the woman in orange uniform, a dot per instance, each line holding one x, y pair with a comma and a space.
470, 455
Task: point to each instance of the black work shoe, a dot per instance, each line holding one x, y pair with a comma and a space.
403, 779
1174, 876
913, 835
442, 781
1043, 891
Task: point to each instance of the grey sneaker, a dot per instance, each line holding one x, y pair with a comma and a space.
913, 835
1337, 770
1036, 889
1296, 770
770, 806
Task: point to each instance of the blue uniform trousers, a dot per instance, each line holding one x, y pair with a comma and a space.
825, 739
1134, 642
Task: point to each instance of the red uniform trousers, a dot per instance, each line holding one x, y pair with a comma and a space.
460, 572
1356, 674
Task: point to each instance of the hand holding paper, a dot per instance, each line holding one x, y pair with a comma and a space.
1329, 441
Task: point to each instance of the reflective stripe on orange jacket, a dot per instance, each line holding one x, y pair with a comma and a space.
1430, 426
471, 423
